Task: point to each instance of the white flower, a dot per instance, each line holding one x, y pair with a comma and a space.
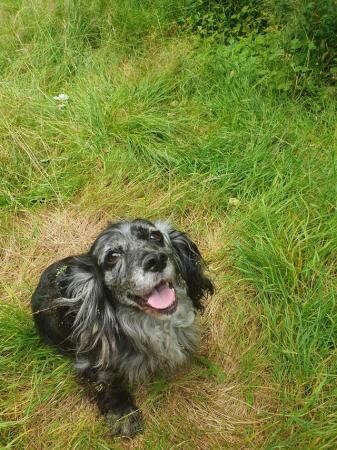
61, 97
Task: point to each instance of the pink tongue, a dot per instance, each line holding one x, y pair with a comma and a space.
161, 297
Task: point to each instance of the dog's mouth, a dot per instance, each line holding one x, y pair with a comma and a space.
162, 298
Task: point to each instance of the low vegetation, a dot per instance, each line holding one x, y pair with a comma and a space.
230, 133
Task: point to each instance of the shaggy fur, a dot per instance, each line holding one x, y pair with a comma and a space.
102, 308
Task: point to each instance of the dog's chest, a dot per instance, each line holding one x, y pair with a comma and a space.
169, 342
158, 345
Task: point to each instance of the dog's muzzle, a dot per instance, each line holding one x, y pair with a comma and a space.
155, 262
162, 298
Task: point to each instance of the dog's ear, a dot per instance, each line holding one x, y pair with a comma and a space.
95, 324
85, 284
190, 265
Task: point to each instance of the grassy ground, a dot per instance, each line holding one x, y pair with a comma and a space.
159, 124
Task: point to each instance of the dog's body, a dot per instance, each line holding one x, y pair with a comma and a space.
125, 310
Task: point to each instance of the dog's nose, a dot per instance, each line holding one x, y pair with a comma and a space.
155, 262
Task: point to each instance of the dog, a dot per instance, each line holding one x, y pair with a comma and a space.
124, 311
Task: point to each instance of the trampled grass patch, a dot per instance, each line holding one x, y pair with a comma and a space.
161, 124
36, 381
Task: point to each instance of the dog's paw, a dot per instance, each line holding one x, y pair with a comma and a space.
125, 423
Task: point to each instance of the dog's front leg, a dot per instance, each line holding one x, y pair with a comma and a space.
118, 406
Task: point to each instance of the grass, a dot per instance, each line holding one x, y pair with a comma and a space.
159, 124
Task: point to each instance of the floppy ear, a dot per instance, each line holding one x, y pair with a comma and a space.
83, 283
191, 267
95, 324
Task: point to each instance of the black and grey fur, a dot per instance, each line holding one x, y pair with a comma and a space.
92, 307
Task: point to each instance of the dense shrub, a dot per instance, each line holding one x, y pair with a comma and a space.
300, 36
310, 30
224, 20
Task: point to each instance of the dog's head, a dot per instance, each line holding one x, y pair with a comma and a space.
145, 264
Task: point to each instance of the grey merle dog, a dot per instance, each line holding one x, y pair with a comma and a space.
124, 311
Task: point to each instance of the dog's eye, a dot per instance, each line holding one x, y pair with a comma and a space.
156, 236
112, 258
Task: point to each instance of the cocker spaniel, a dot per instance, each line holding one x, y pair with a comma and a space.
124, 311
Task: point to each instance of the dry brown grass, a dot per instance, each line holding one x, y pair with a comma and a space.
203, 406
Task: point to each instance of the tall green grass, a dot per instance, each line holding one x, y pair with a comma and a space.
153, 109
